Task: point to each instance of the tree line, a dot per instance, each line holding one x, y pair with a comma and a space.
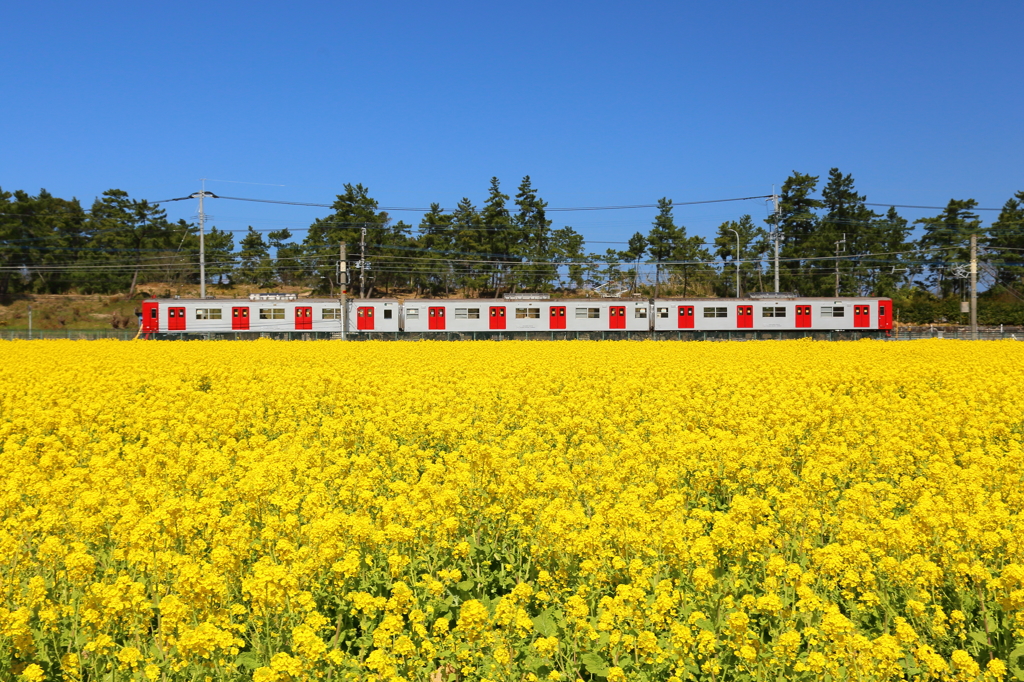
830, 242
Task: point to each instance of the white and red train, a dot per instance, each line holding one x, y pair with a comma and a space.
276, 313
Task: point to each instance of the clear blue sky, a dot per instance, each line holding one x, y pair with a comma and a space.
600, 103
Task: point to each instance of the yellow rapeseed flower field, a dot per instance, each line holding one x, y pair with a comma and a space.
272, 511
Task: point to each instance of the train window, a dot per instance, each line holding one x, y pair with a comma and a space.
881, 310
527, 313
387, 314
716, 312
588, 313
833, 311
663, 312
330, 314
467, 313
208, 313
412, 313
271, 313
153, 313
641, 312
773, 311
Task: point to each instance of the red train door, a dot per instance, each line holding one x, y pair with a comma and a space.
557, 317
176, 319
803, 316
861, 316
686, 317
436, 318
303, 317
364, 319
150, 317
617, 317
885, 314
240, 318
744, 317
497, 317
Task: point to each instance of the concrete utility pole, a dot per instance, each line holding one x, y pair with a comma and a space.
843, 242
342, 284
362, 264
202, 237
974, 287
737, 261
775, 233
202, 243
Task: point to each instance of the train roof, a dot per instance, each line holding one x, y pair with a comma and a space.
252, 301
522, 301
774, 299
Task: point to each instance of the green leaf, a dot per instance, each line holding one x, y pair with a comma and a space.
466, 585
248, 660
545, 624
595, 665
980, 637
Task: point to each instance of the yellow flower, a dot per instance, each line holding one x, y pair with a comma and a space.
33, 673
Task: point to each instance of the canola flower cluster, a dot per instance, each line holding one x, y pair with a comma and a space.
277, 512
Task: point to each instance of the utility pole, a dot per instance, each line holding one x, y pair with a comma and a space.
775, 233
843, 242
974, 286
343, 284
30, 323
737, 261
202, 242
362, 264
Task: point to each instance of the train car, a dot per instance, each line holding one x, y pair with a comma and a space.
519, 315
768, 314
276, 313
261, 313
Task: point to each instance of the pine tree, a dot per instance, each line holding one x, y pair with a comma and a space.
353, 211
220, 254
636, 248
436, 241
500, 234
567, 248
751, 251
468, 233
663, 239
846, 218
254, 265
796, 225
893, 265
534, 235
946, 240
1007, 242
693, 261
131, 228
288, 267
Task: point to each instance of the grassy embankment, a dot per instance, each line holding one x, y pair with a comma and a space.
88, 312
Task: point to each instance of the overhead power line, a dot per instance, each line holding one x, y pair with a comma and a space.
550, 209
935, 208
